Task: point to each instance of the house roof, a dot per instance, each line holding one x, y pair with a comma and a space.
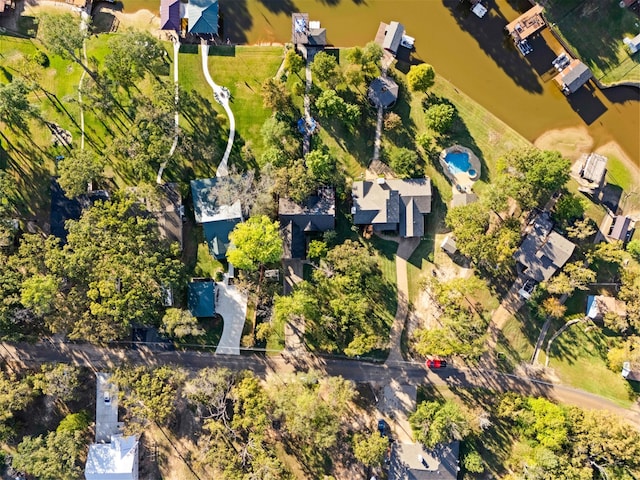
317, 37
206, 207
441, 463
461, 199
394, 203
201, 298
106, 460
106, 413
594, 168
383, 91
599, 305
202, 16
170, 15
543, 251
621, 225
574, 76
393, 36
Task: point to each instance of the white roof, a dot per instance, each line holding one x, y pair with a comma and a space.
113, 461
222, 212
479, 10
106, 413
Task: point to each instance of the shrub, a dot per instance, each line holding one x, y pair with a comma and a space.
440, 117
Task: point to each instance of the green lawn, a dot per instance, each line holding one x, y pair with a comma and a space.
242, 70
206, 266
517, 339
595, 29
578, 357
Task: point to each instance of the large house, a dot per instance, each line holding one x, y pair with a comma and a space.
217, 218
194, 17
316, 214
411, 461
113, 456
543, 251
392, 205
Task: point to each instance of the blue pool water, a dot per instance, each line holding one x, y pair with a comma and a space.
458, 162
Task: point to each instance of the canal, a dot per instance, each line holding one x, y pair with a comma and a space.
473, 53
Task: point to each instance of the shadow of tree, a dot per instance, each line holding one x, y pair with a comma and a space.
235, 21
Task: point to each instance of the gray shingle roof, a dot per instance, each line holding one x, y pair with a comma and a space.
393, 36
440, 463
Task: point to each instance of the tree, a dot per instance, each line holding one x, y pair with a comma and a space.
421, 77
440, 117
581, 229
38, 293
370, 450
149, 394
59, 381
116, 268
15, 395
257, 243
469, 224
403, 161
317, 249
322, 166
275, 95
64, 36
74, 422
472, 462
392, 121
633, 247
295, 182
180, 323
436, 423
330, 104
568, 208
78, 170
210, 392
574, 275
15, 109
131, 55
279, 135
54, 457
553, 308
610, 252
533, 175
293, 62
325, 68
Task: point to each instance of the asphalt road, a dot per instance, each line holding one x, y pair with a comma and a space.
358, 371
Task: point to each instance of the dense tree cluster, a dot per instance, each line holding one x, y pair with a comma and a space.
341, 305
568, 442
462, 322
438, 423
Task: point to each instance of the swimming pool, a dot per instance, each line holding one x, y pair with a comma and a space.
458, 162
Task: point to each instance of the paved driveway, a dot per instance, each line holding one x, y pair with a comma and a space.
231, 304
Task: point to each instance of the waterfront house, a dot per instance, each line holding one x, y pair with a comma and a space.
392, 205
543, 251
194, 17
573, 77
218, 219
297, 221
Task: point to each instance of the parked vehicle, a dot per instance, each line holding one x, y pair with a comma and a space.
436, 363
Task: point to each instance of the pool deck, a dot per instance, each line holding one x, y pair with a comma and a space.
462, 182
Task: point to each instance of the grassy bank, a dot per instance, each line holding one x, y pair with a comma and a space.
595, 29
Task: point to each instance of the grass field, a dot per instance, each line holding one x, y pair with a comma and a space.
578, 357
595, 29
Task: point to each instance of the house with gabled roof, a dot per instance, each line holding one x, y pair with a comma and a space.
316, 214
543, 251
217, 219
398, 205
195, 17
412, 461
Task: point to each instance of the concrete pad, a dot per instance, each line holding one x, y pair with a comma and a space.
231, 304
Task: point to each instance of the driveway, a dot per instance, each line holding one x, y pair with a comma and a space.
231, 304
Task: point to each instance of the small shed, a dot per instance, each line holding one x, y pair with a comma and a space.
620, 228
449, 245
201, 298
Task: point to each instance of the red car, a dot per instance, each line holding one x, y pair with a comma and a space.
436, 363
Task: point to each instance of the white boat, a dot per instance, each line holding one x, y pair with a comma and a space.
407, 41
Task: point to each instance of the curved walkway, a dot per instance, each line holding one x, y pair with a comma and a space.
231, 304
163, 165
222, 96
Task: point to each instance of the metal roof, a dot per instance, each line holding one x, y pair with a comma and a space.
201, 298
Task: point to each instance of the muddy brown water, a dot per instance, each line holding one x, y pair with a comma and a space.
473, 53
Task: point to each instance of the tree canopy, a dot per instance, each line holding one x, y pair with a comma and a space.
257, 243
421, 77
78, 169
436, 423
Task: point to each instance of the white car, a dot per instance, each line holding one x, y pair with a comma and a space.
527, 289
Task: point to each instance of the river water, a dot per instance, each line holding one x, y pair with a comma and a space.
473, 53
